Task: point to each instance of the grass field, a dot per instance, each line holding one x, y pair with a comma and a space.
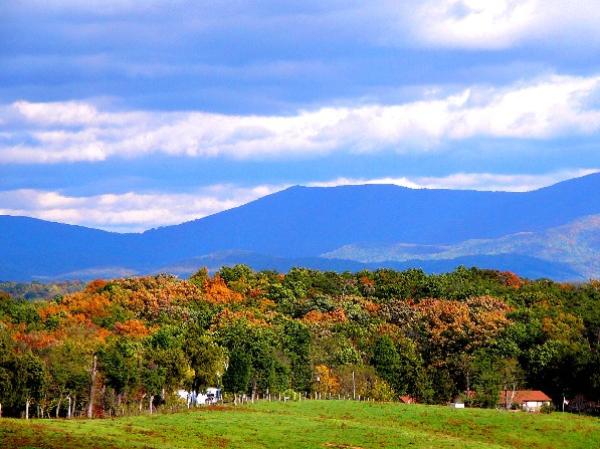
312, 424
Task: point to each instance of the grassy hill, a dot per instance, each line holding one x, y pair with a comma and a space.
312, 424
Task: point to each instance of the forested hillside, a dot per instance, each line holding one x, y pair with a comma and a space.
120, 346
39, 290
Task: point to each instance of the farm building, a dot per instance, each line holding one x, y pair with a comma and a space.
528, 400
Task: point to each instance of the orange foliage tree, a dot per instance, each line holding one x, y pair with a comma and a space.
326, 381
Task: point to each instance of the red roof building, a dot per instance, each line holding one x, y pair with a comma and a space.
406, 399
530, 400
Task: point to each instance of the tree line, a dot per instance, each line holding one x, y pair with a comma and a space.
127, 345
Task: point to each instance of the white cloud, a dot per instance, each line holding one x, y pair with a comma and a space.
131, 211
477, 24
137, 211
467, 181
78, 131
498, 24
68, 113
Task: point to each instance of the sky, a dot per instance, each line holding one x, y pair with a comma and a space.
126, 115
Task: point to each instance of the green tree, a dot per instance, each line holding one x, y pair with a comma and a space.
297, 342
30, 380
387, 363
68, 374
165, 348
120, 362
488, 381
237, 376
208, 360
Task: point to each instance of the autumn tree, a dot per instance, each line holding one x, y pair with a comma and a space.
326, 381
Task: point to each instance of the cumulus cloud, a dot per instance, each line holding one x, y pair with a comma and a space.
130, 211
138, 211
499, 24
78, 131
491, 24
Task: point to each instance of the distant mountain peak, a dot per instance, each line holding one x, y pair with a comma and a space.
301, 223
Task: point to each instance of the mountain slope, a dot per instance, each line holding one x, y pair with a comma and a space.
303, 221
576, 244
31, 247
526, 266
297, 223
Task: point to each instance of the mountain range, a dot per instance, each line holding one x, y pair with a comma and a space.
552, 232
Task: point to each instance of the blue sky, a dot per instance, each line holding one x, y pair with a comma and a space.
125, 115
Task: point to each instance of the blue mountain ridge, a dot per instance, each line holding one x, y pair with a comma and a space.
303, 222
526, 266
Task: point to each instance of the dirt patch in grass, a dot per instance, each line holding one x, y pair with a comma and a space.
455, 422
221, 442
342, 446
150, 433
228, 408
16, 442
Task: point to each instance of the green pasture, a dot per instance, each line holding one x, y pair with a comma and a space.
312, 424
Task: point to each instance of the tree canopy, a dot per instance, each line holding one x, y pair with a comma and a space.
133, 342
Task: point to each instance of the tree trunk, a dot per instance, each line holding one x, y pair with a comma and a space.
119, 401
27, 409
58, 407
468, 384
68, 406
90, 410
150, 404
512, 394
141, 404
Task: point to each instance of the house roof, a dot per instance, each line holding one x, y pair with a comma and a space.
525, 396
